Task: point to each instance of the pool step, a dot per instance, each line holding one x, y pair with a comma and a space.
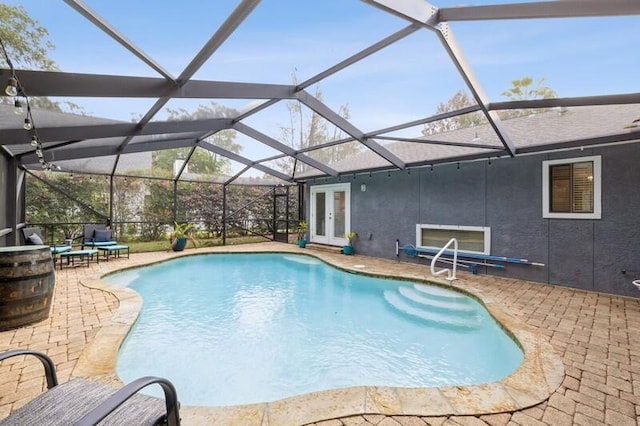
435, 292
458, 306
442, 318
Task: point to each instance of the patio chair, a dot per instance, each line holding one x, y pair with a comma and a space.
33, 236
96, 236
82, 402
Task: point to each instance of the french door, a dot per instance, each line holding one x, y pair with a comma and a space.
330, 214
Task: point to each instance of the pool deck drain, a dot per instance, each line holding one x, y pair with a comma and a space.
596, 337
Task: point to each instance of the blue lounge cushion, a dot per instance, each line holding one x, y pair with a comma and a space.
35, 239
101, 236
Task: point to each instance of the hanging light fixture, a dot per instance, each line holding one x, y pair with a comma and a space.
18, 110
12, 87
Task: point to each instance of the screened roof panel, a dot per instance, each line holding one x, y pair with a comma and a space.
243, 145
80, 46
292, 123
347, 157
171, 33
303, 169
115, 109
285, 38
102, 165
598, 50
380, 90
189, 109
472, 128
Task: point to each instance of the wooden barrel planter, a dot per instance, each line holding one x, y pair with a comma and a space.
26, 285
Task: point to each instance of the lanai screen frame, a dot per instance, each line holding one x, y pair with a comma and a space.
420, 15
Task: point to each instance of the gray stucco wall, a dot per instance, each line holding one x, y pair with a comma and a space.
507, 196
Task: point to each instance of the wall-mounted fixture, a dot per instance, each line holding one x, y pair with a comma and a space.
363, 187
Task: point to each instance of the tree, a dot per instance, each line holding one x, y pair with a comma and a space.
522, 90
27, 46
307, 128
24, 39
202, 161
46, 205
458, 101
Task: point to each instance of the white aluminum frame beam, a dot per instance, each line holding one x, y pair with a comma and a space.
99, 131
547, 9
56, 83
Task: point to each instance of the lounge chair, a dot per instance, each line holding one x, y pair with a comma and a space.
33, 236
81, 402
97, 236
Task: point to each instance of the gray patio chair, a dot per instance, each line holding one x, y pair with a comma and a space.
97, 235
33, 236
82, 402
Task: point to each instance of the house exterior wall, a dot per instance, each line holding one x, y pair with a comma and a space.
601, 255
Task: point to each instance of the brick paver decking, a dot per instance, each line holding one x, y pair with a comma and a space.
597, 336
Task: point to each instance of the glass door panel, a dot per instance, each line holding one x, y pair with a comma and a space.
330, 214
340, 214
321, 219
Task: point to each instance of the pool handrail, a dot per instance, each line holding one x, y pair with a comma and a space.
450, 276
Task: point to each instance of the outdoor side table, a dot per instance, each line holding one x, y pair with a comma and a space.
113, 251
80, 255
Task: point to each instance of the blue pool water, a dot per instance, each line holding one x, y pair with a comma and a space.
232, 329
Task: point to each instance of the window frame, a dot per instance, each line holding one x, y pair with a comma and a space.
597, 188
485, 230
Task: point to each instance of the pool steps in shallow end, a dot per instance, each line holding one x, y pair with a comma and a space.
435, 309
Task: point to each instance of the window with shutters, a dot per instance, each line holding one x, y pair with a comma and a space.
571, 188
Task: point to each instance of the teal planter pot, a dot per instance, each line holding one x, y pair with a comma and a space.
302, 243
181, 242
348, 250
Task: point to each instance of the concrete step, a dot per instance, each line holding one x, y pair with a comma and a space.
324, 247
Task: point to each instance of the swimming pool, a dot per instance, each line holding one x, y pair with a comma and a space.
236, 329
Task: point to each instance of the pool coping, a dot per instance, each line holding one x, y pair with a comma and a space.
539, 375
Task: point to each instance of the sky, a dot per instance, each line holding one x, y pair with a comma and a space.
404, 82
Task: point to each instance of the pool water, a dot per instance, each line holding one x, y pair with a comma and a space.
231, 329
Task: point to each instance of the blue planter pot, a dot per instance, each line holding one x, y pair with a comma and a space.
348, 250
180, 244
302, 243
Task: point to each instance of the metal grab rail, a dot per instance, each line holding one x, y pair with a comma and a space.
450, 276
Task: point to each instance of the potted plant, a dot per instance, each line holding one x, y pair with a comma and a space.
302, 231
348, 249
180, 235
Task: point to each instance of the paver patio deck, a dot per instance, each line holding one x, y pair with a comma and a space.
596, 335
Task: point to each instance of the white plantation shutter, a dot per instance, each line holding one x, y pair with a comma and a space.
582, 186
572, 187
561, 188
